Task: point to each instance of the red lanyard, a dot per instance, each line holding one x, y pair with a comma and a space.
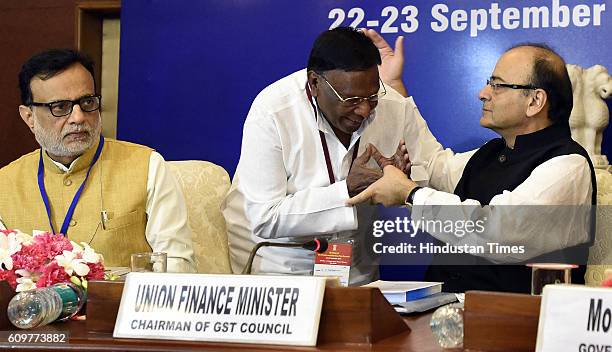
330, 170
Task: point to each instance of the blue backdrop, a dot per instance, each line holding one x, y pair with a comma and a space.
189, 69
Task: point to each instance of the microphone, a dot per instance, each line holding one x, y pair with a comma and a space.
318, 245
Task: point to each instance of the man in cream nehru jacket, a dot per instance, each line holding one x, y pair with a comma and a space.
116, 196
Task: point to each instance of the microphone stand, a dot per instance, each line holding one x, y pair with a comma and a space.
249, 264
321, 246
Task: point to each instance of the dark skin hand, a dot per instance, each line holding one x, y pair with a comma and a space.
360, 176
400, 159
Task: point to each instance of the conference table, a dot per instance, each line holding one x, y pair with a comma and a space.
352, 319
419, 339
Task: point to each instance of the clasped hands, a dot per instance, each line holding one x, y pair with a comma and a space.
388, 185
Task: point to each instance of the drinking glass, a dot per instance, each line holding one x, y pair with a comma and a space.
543, 274
154, 262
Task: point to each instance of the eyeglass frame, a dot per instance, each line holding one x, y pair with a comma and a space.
510, 85
73, 102
358, 100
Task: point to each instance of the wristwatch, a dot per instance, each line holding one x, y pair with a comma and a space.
410, 198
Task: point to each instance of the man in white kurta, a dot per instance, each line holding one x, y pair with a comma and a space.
281, 190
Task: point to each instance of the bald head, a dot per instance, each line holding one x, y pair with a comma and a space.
549, 73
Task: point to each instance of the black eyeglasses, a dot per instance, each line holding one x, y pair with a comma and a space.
496, 86
64, 107
354, 101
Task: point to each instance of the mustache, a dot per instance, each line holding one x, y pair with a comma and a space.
76, 129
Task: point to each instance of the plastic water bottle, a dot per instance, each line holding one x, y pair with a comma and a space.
447, 325
41, 306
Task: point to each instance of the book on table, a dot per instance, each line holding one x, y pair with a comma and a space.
406, 291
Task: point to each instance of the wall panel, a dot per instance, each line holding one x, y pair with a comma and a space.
26, 27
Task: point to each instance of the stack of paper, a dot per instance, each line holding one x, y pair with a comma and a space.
405, 291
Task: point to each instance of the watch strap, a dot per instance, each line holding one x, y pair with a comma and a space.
410, 198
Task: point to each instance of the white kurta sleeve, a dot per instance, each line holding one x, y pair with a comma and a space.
272, 208
435, 166
547, 212
167, 229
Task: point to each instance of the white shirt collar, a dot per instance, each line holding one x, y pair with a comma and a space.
61, 166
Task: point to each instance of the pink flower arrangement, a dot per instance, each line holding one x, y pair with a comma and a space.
607, 282
42, 260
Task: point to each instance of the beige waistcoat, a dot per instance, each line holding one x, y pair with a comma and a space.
117, 184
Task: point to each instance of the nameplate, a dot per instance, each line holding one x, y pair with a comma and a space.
575, 318
282, 310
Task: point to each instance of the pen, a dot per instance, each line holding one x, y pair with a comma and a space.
104, 218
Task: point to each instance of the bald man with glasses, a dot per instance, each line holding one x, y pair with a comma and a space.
116, 196
531, 189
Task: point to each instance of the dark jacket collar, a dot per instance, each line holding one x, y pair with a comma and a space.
542, 138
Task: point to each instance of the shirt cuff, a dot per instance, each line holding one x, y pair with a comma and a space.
347, 219
420, 198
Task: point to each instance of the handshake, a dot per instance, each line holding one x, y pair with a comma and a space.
389, 184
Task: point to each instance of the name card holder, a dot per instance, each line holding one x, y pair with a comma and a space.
103, 298
497, 321
6, 293
355, 315
265, 309
575, 318
359, 315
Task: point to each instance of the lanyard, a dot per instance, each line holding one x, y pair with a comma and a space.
75, 200
330, 170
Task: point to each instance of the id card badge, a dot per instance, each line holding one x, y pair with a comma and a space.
335, 261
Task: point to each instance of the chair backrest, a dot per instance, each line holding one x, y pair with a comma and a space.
204, 186
600, 254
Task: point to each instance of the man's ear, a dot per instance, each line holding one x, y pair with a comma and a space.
313, 82
27, 116
537, 102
